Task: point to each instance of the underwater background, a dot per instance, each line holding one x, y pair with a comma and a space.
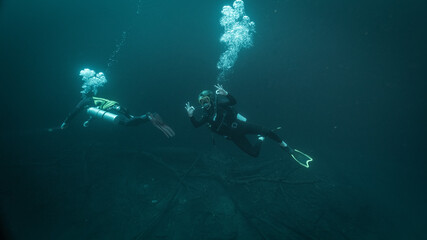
346, 81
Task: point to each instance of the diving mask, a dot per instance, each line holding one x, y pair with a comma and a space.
205, 101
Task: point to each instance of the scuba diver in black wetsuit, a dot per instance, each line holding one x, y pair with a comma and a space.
111, 111
222, 119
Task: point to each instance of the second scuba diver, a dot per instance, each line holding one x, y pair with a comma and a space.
222, 119
111, 111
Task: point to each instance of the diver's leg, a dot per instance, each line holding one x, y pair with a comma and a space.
124, 111
135, 121
243, 143
249, 128
273, 136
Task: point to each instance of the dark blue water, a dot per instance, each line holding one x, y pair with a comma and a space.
344, 79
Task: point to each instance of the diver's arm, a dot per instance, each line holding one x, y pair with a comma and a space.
231, 100
228, 100
190, 111
197, 123
79, 107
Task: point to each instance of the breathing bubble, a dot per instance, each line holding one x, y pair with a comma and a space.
92, 81
238, 32
119, 45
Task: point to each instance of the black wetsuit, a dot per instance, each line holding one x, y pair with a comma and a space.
108, 106
222, 119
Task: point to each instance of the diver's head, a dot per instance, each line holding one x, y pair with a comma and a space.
205, 99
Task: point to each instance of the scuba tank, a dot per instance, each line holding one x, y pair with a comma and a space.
104, 115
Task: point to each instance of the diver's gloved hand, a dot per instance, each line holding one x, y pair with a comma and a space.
64, 125
220, 90
190, 109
